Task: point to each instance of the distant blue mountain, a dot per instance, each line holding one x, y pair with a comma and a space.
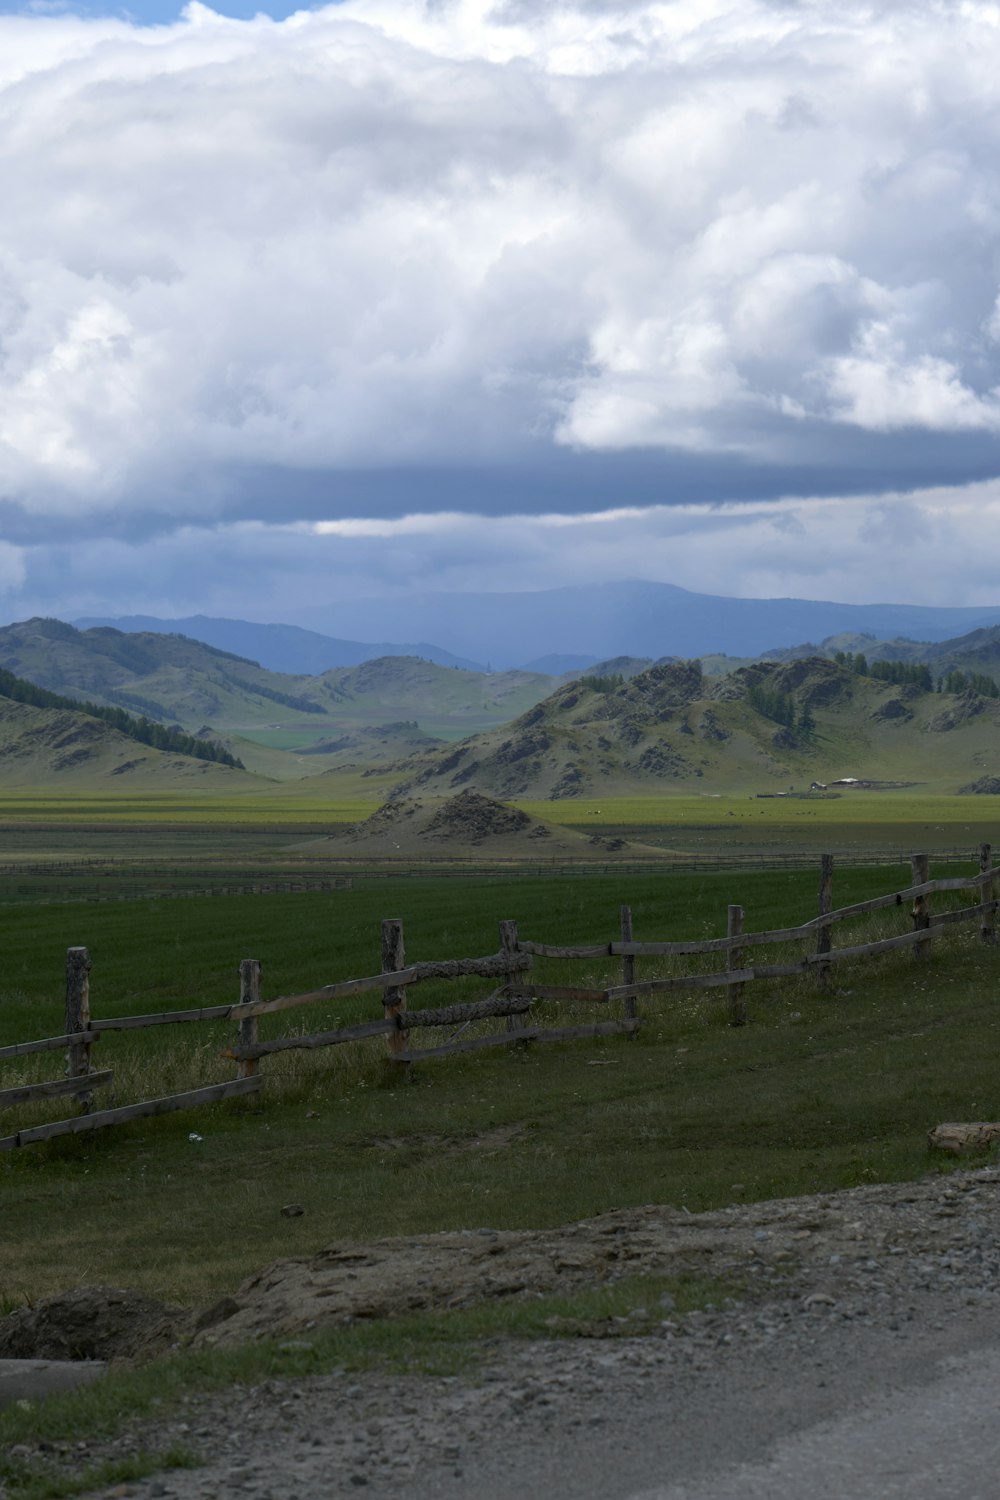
280, 648
635, 619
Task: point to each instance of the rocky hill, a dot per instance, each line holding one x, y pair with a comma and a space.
466, 823
765, 728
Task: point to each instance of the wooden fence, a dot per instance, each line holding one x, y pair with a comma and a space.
511, 998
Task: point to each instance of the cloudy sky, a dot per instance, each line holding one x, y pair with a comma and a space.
493, 294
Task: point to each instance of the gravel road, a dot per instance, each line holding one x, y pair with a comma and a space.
863, 1363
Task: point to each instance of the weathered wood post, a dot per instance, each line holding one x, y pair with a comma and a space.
628, 962
825, 908
249, 1028
78, 1017
394, 998
508, 947
921, 913
987, 927
734, 961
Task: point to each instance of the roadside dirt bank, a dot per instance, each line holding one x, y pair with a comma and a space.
841, 1289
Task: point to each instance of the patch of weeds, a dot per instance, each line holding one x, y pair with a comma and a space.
48, 1482
627, 1308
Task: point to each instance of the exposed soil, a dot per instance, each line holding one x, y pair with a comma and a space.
816, 1235
93, 1322
830, 1295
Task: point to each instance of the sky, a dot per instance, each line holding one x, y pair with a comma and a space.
391, 296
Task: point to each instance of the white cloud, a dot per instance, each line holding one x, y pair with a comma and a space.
411, 232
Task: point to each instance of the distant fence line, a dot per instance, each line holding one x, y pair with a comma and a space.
31, 887
511, 997
169, 893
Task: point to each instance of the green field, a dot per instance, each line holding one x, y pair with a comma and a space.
65, 847
862, 817
815, 1093
906, 820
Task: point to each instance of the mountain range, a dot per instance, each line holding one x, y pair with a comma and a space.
634, 618
281, 648
559, 630
630, 727
264, 717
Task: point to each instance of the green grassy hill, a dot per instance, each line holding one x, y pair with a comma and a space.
447, 702
167, 677
673, 728
170, 678
48, 748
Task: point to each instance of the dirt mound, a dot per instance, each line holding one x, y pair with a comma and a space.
458, 1269
93, 1322
465, 819
385, 819
472, 818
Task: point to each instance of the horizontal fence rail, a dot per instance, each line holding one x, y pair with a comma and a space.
191, 1100
514, 994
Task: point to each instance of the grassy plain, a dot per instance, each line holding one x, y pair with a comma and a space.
902, 817
816, 1093
904, 820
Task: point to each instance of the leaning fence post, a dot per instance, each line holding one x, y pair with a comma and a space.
249, 1028
825, 908
734, 961
394, 998
78, 1016
628, 962
987, 930
921, 913
508, 947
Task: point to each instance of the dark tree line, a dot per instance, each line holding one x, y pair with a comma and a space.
903, 673
781, 708
287, 700
964, 682
918, 674
143, 730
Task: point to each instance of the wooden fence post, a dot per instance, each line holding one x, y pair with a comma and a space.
825, 907
249, 1029
394, 998
628, 962
987, 928
734, 960
78, 1016
921, 913
508, 945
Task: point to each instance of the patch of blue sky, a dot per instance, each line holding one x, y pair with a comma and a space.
150, 12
